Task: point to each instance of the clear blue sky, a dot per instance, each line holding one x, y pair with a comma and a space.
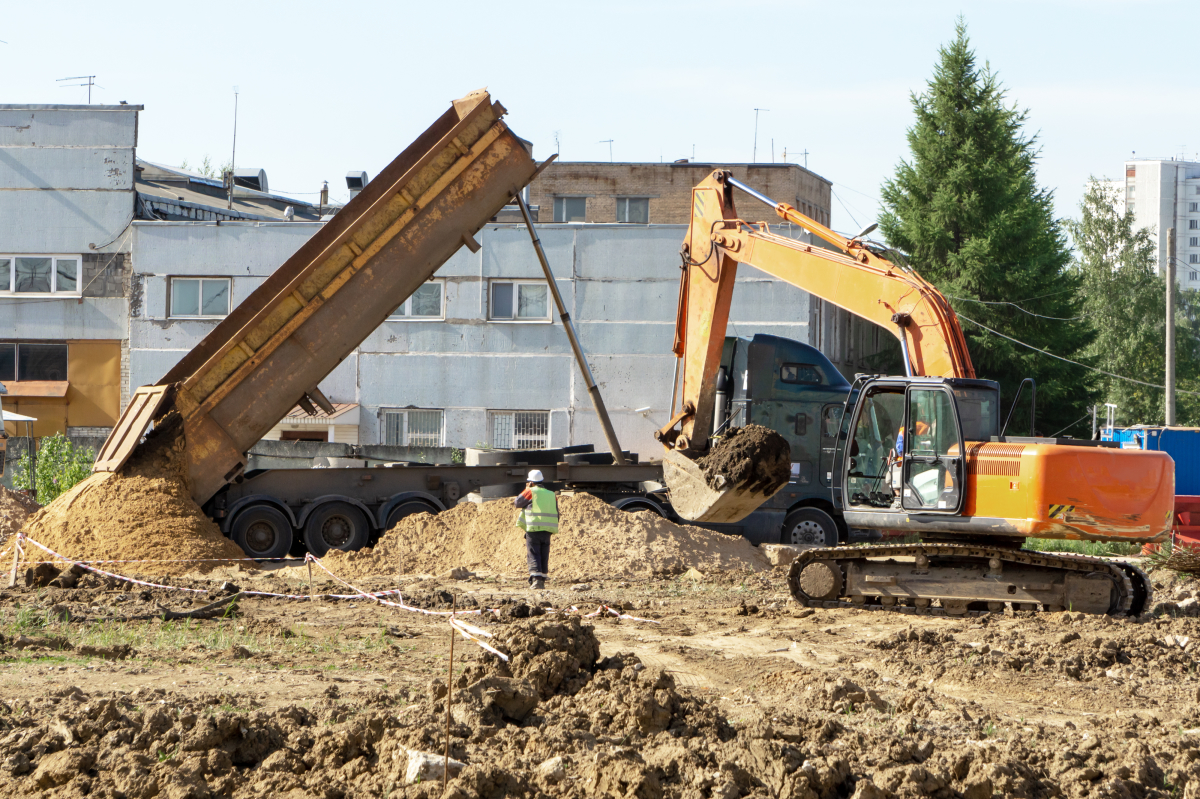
333, 86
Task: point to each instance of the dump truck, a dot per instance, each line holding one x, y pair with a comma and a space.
924, 453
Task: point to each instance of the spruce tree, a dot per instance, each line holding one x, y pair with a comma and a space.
967, 211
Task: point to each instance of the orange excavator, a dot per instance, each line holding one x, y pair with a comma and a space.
924, 454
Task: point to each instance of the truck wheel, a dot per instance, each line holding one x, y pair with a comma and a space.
405, 509
262, 532
335, 525
809, 528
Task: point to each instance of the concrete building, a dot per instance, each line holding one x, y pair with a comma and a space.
117, 266
1165, 193
661, 194
66, 200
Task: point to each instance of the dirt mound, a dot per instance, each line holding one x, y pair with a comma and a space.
594, 539
15, 509
145, 512
754, 457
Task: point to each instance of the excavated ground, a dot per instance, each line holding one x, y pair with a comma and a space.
736, 691
752, 457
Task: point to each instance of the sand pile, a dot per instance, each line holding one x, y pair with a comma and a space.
754, 457
15, 508
594, 540
144, 513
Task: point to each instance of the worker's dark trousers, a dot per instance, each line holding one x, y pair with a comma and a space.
537, 552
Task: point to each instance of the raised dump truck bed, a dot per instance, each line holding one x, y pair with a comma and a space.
270, 353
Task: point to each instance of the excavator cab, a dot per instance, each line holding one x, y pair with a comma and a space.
903, 441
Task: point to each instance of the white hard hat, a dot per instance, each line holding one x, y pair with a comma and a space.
535, 477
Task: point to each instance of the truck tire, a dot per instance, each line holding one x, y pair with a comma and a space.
635, 505
409, 508
335, 525
808, 528
262, 532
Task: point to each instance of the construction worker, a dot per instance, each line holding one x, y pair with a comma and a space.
539, 520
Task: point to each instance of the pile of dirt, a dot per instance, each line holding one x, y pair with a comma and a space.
594, 540
145, 512
559, 721
15, 509
754, 458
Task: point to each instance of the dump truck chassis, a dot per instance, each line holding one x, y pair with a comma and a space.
965, 580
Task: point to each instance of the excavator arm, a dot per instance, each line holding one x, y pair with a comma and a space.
851, 276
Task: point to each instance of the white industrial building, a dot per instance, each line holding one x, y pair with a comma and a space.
1162, 194
116, 266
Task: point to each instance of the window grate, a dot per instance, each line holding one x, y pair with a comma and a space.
412, 428
520, 429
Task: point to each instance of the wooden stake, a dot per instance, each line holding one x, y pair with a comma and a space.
449, 695
312, 596
12, 578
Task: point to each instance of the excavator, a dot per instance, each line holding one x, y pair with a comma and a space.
924, 454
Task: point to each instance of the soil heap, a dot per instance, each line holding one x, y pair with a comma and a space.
15, 508
144, 512
754, 458
594, 540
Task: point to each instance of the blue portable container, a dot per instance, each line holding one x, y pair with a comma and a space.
1181, 443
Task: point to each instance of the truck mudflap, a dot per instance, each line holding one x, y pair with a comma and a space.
271, 352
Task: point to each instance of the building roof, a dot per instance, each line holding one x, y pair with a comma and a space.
170, 193
58, 107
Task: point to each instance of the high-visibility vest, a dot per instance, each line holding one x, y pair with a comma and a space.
542, 513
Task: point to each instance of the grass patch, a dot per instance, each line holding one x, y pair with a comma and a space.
1093, 548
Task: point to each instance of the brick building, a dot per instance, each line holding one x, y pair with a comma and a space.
660, 194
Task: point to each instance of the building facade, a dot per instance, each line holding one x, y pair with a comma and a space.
117, 266
1164, 194
67, 174
661, 194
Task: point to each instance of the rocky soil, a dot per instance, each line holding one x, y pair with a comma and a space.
728, 690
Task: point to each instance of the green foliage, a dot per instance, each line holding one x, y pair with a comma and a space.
1124, 300
968, 212
60, 465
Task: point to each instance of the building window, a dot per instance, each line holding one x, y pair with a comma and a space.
410, 428
1192, 224
520, 429
1194, 241
519, 301
39, 274
570, 209
1194, 258
634, 210
427, 302
197, 298
1193, 207
1192, 276
33, 361
1132, 190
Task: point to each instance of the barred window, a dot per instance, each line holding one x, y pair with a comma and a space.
413, 428
520, 429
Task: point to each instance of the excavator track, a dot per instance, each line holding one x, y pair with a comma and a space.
965, 580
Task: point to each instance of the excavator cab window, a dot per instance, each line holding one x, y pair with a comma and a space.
932, 458
872, 447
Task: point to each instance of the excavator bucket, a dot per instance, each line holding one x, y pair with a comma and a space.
695, 500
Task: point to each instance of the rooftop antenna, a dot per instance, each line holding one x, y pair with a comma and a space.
754, 160
90, 81
609, 143
772, 149
233, 156
805, 154
557, 143
693, 152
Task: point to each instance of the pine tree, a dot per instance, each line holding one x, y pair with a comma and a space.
1124, 301
967, 211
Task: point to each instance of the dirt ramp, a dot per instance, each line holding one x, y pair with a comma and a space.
594, 540
144, 513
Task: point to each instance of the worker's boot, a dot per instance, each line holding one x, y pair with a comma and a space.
539, 583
